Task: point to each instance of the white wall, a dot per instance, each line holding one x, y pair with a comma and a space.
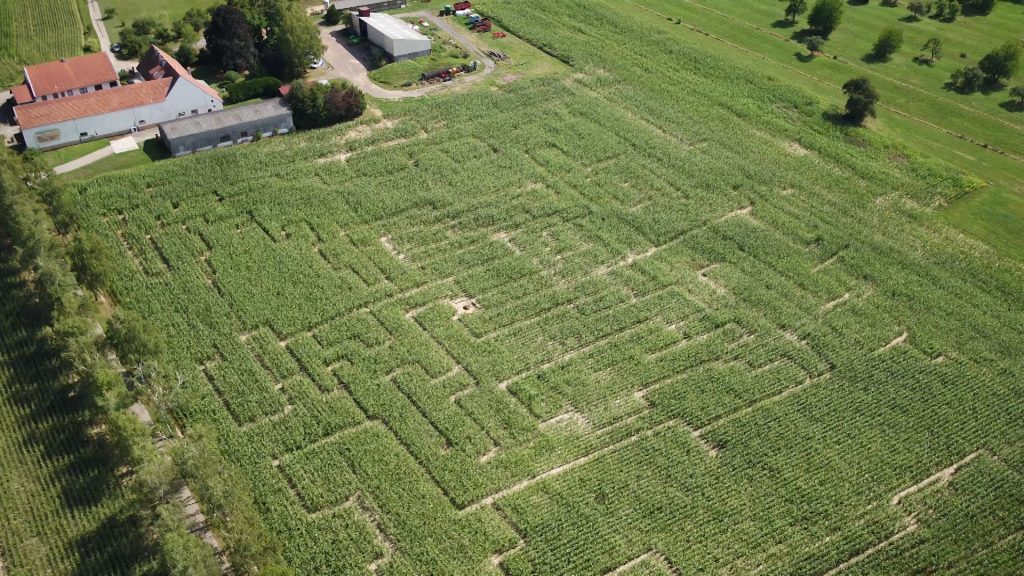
182, 99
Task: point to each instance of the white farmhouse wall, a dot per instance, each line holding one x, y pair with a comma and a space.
76, 92
182, 99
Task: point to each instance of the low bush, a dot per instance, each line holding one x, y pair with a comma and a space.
264, 87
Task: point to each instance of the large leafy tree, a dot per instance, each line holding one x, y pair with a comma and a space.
1001, 63
292, 39
861, 99
230, 39
888, 42
825, 17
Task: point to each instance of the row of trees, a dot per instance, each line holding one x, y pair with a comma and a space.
275, 35
314, 104
65, 269
995, 67
135, 38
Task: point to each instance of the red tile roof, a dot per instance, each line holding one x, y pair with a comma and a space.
92, 104
70, 74
21, 93
156, 64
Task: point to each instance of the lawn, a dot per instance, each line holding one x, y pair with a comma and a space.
151, 151
129, 10
653, 313
60, 156
33, 31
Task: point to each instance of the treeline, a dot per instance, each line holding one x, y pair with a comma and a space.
64, 273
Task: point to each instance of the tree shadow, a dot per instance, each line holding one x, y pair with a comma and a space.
118, 545
923, 61
856, 2
804, 57
873, 58
1012, 106
837, 117
802, 35
783, 23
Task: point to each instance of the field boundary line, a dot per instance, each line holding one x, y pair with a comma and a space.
653, 555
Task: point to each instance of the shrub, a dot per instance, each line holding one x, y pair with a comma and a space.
888, 42
186, 54
978, 7
315, 105
861, 99
919, 8
815, 44
233, 77
332, 16
967, 79
263, 87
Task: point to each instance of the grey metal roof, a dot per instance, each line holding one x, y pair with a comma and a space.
353, 4
226, 118
394, 28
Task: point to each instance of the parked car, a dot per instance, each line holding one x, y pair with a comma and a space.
316, 63
115, 47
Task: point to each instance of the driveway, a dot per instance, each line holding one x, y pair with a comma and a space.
109, 150
345, 61
96, 13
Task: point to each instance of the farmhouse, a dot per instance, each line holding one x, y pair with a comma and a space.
226, 127
395, 36
65, 78
371, 4
167, 92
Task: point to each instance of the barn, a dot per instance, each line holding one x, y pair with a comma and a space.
229, 126
393, 35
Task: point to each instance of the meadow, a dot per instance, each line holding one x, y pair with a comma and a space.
127, 11
655, 314
33, 31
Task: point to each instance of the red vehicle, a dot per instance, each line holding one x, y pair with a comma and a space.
463, 5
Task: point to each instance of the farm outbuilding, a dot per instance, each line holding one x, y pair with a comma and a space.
226, 127
354, 5
396, 37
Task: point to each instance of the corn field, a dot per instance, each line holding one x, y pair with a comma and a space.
656, 316
33, 31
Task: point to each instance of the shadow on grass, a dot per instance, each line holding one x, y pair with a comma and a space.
155, 149
783, 23
805, 57
1013, 106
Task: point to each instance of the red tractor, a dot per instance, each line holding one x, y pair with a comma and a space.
483, 25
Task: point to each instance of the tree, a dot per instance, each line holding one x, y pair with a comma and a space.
133, 339
229, 39
979, 7
861, 99
332, 16
258, 12
795, 8
815, 44
109, 13
967, 79
91, 260
825, 17
952, 11
1001, 63
919, 8
315, 105
185, 54
934, 47
1018, 93
197, 18
888, 42
291, 42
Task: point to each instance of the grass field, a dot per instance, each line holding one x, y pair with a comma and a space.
62, 506
974, 133
33, 31
654, 315
130, 10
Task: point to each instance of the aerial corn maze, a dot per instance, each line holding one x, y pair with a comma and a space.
655, 315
